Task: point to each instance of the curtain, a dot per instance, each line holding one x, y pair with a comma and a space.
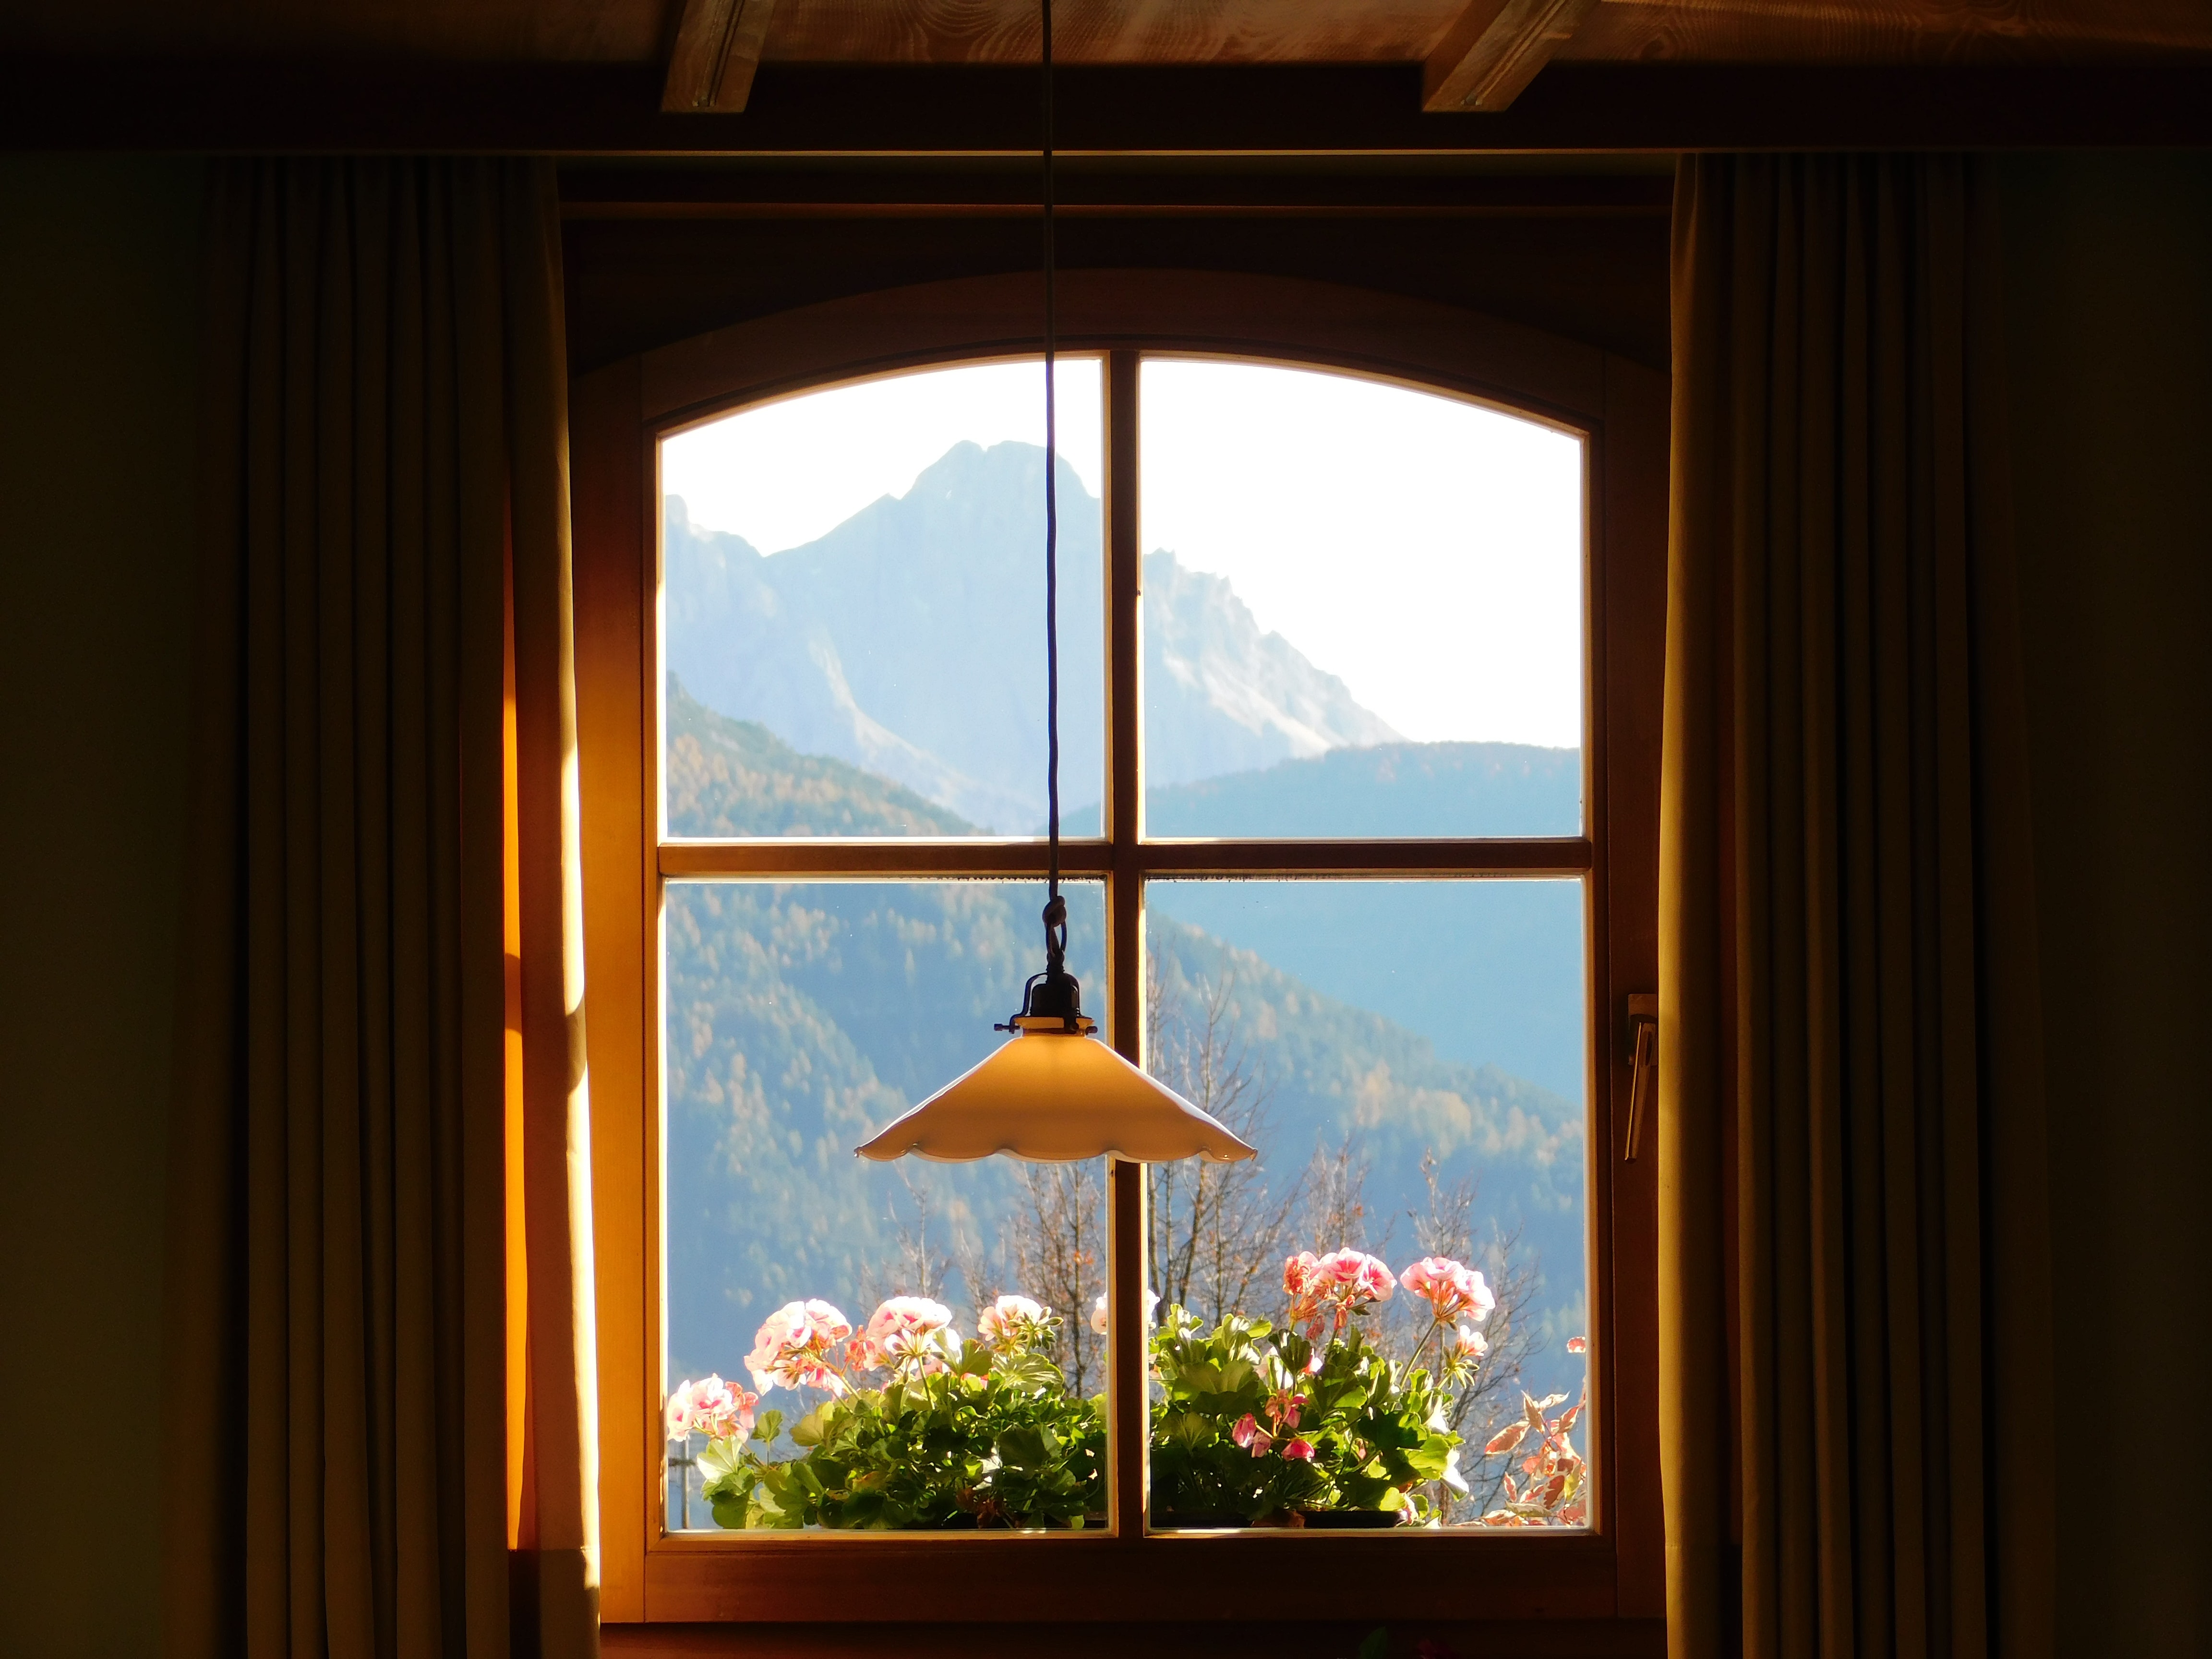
378, 1433
1855, 1411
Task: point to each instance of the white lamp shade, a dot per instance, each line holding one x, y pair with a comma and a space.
1053, 1097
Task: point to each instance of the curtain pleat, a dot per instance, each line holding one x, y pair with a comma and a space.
1855, 1398
385, 555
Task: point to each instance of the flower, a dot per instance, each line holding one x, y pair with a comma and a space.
1340, 1284
1098, 1310
1013, 1321
793, 1348
1298, 1451
719, 1410
909, 1333
1356, 1276
679, 1412
1450, 1288
1468, 1343
1284, 1406
1578, 1345
1247, 1432
1452, 1478
712, 1407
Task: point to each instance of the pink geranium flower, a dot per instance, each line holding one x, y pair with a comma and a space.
720, 1410
1468, 1343
1578, 1345
1012, 1321
1450, 1288
1298, 1451
679, 1412
1098, 1310
798, 1346
1329, 1289
1356, 1276
1248, 1433
911, 1334
1284, 1406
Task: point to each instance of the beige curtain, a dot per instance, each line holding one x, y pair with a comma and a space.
379, 1324
1854, 1395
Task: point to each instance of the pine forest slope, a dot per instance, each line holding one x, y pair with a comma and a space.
800, 1017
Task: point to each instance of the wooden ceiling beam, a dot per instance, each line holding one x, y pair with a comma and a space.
1494, 51
317, 107
718, 47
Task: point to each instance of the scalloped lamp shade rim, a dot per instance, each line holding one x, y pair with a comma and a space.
1050, 1098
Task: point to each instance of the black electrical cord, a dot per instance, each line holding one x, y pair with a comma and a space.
1055, 911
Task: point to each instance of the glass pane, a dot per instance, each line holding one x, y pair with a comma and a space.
1362, 610
800, 1018
1349, 1321
853, 584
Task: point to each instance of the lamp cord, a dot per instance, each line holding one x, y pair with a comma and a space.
1055, 911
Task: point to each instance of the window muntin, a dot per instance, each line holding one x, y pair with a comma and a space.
1346, 812
851, 578
1363, 608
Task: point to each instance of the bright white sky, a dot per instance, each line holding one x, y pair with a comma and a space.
782, 474
1427, 550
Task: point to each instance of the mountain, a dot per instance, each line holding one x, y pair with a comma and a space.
1222, 697
1513, 996
1389, 789
801, 1016
908, 641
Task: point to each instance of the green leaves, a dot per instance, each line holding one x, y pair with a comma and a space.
1372, 1427
1031, 1371
1027, 1447
989, 1441
1242, 1429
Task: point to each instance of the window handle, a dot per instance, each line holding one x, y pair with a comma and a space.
1644, 1068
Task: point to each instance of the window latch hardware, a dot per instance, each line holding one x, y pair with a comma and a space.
1644, 1068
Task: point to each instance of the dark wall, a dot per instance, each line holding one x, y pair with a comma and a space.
2109, 261
98, 305
2112, 341
1599, 276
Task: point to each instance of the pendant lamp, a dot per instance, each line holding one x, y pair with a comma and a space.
1053, 1092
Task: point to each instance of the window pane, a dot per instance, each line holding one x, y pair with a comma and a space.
1363, 611
799, 1019
1409, 1058
853, 584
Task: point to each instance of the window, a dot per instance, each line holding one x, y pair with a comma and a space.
1341, 845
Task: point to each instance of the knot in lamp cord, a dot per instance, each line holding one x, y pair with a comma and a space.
1055, 909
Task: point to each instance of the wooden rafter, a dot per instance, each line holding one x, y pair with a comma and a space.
1495, 50
718, 47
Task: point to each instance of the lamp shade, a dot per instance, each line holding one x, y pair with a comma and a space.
1056, 1097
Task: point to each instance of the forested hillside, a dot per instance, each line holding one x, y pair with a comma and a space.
799, 1018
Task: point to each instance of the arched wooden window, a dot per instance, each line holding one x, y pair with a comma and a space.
1360, 844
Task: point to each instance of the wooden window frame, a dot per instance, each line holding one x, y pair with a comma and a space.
1611, 1573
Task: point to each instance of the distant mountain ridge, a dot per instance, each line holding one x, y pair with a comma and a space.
1390, 789
908, 641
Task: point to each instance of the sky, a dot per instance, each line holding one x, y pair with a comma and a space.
1424, 548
